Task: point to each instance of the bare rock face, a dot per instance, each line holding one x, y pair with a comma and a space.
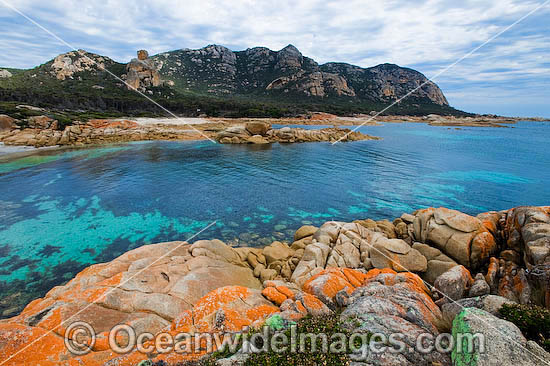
464, 238
141, 72
395, 82
42, 122
66, 65
289, 58
454, 284
318, 84
5, 74
218, 70
527, 230
142, 55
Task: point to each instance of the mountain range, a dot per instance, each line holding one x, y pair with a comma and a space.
217, 81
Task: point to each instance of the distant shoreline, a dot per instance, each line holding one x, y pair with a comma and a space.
114, 130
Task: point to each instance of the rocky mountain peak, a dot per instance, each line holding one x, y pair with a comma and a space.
289, 58
217, 52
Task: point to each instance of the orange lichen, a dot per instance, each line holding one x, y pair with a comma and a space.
112, 281
216, 299
273, 295
46, 349
312, 302
260, 312
285, 291
301, 307
184, 322
333, 280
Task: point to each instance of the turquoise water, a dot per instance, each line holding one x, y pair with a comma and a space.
63, 210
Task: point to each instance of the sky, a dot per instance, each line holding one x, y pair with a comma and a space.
510, 75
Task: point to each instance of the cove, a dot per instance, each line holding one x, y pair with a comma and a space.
63, 210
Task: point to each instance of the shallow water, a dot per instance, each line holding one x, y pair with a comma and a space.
63, 210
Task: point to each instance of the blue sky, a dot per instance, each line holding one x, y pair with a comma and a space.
509, 76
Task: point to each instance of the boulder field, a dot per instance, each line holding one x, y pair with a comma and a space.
433, 271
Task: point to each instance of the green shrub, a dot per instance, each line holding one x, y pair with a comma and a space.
533, 321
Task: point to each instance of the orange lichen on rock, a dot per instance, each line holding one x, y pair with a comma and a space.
326, 284
231, 308
285, 291
391, 277
22, 345
273, 295
311, 302
375, 272
184, 322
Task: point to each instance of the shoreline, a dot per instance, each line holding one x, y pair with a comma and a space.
208, 286
107, 131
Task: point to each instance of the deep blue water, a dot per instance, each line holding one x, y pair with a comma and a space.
63, 210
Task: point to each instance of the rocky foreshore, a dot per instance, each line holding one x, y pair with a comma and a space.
261, 133
42, 131
432, 271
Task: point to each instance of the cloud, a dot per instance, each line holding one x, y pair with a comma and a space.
426, 34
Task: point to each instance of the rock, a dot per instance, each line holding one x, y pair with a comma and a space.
407, 218
454, 284
312, 304
391, 303
7, 123
438, 263
241, 307
5, 74
141, 73
511, 256
142, 55
239, 134
436, 268
397, 255
312, 262
66, 65
257, 128
503, 342
462, 237
480, 287
257, 139
539, 277
277, 252
279, 291
328, 283
527, 230
488, 303
42, 122
513, 283
304, 231
345, 255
